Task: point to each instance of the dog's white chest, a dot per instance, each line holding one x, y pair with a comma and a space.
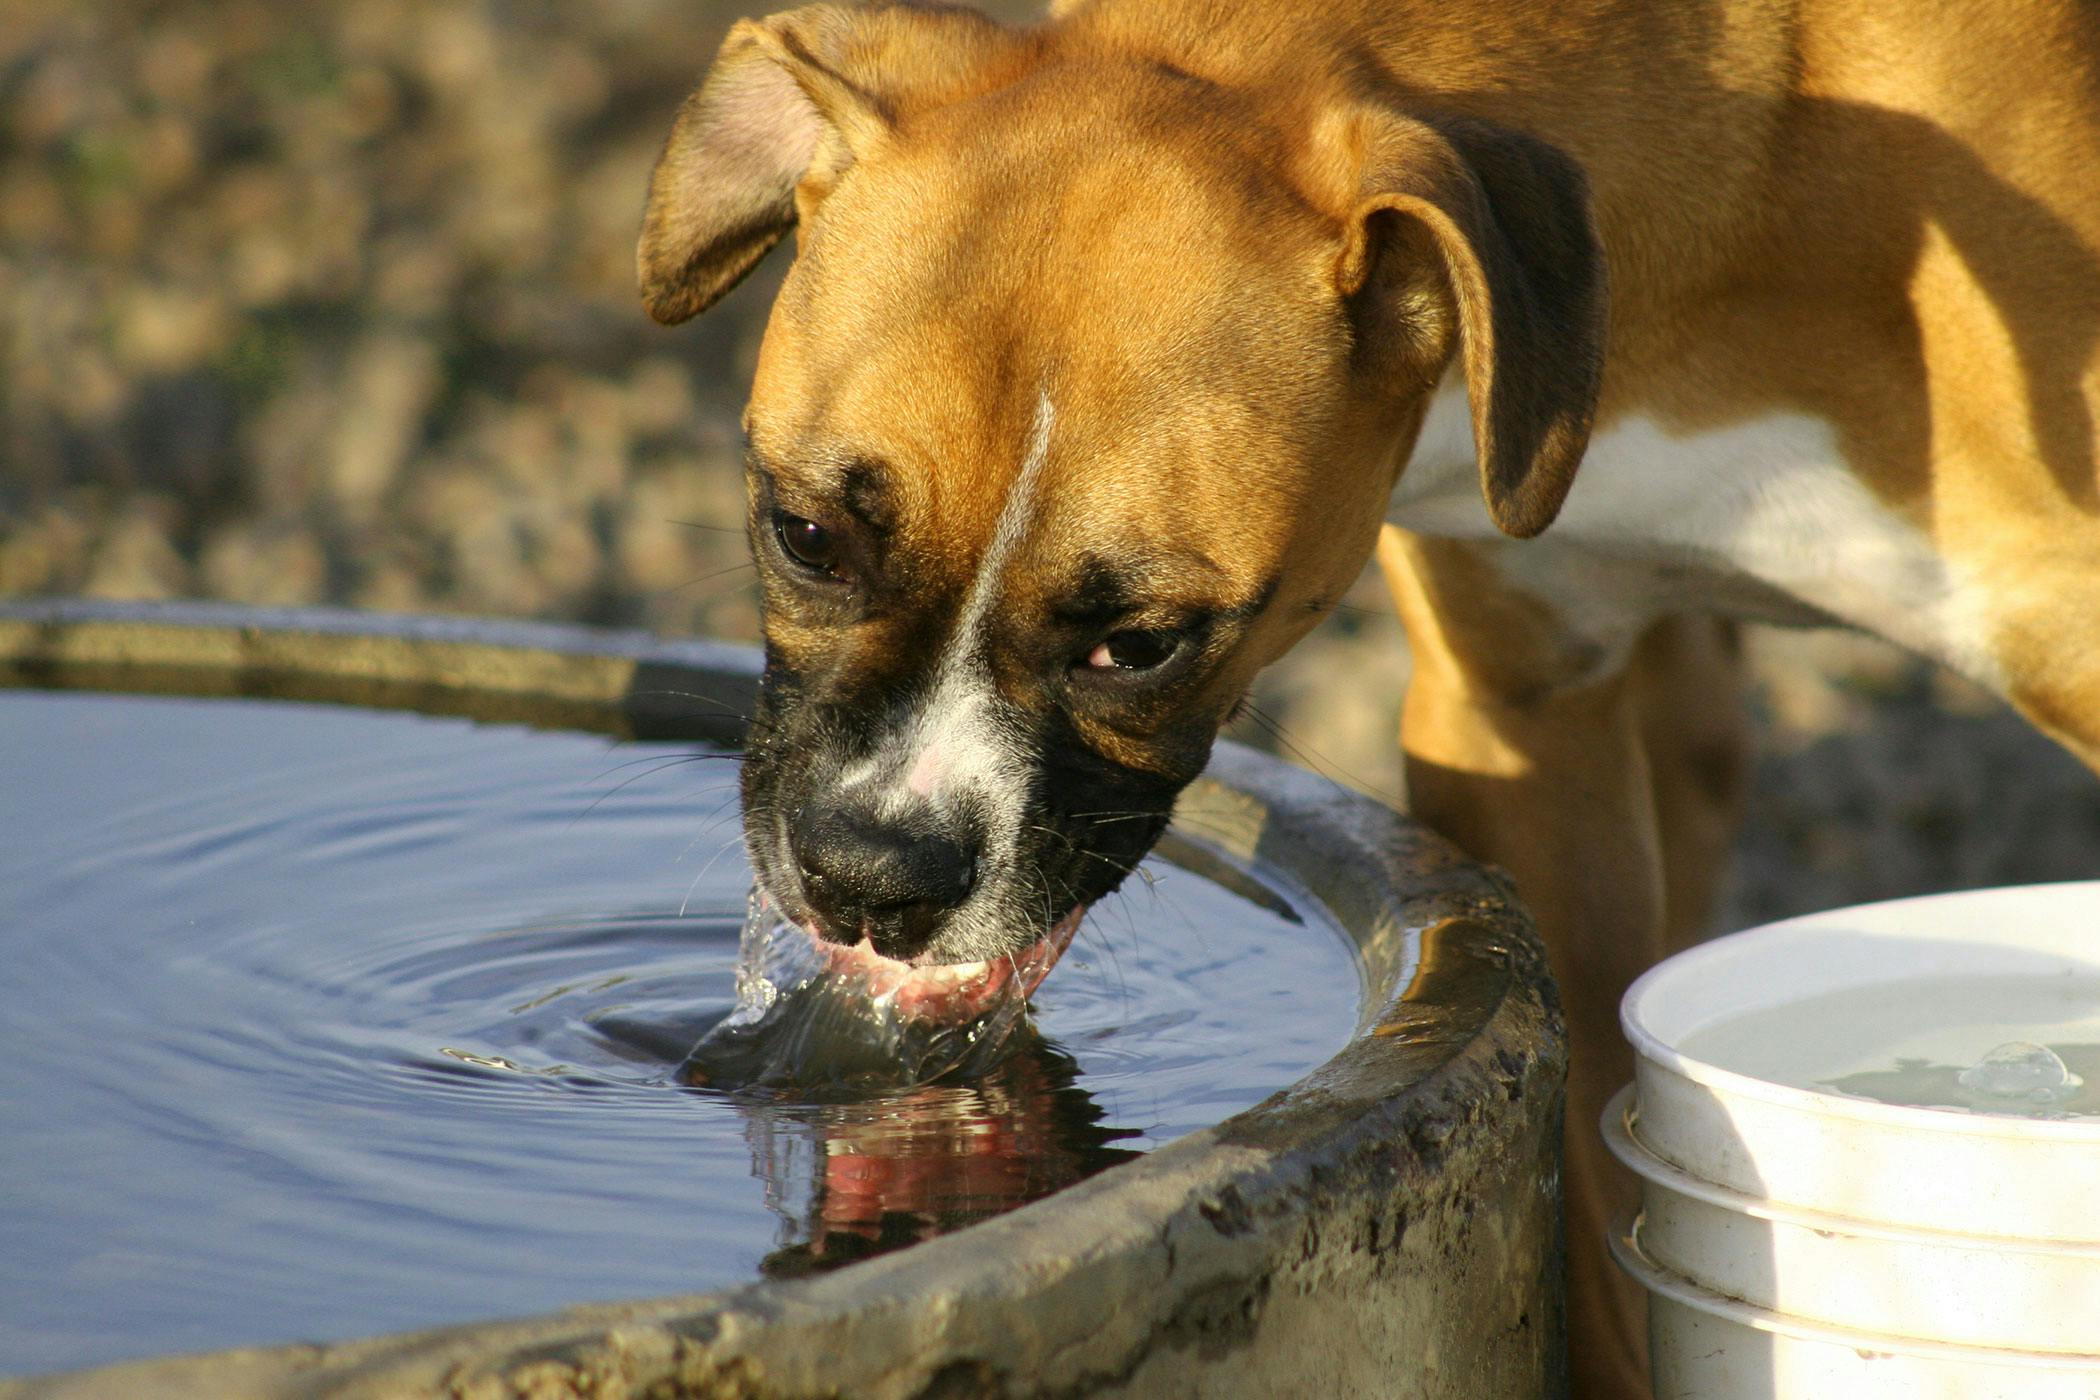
1659, 522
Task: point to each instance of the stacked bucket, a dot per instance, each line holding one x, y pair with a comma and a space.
1800, 1245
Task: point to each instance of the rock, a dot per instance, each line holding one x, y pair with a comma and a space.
275, 565
165, 329
379, 416
134, 558
659, 398
46, 555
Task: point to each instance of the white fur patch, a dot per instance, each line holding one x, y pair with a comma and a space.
955, 741
1013, 520
1658, 522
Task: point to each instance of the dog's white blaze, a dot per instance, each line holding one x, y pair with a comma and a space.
1658, 522
955, 741
1014, 515
951, 734
926, 773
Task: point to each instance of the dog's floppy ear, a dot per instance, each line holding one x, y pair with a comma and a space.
1463, 220
790, 103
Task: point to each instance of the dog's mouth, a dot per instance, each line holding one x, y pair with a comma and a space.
926, 990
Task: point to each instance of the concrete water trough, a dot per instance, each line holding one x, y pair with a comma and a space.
1387, 1226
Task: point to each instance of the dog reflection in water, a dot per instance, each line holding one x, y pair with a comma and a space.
853, 1180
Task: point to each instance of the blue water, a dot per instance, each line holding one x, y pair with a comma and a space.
319, 1022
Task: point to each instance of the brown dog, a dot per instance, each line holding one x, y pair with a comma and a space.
1111, 345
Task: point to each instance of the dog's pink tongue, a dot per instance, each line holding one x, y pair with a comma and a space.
953, 992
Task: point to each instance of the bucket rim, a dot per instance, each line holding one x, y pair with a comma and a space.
1626, 1250
1652, 1048
1621, 1136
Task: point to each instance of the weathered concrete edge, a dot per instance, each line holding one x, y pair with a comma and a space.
526, 672
1265, 1215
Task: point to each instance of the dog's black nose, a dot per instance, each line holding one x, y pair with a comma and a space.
887, 882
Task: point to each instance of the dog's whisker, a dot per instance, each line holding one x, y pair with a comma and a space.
1107, 945
1122, 868
669, 760
1115, 813
1314, 759
602, 798
713, 702
712, 823
728, 845
722, 572
691, 885
668, 590
1179, 815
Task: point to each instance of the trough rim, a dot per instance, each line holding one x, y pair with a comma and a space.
1458, 1007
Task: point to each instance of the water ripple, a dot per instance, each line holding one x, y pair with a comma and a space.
322, 1023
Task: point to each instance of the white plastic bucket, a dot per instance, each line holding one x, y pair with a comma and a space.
1703, 1345
1957, 1172
1861, 1276
1803, 1243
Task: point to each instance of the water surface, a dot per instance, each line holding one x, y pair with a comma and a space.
2021, 1045
320, 1022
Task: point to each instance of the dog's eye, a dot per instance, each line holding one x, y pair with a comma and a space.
1133, 651
807, 543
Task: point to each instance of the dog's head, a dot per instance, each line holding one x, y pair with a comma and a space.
1080, 404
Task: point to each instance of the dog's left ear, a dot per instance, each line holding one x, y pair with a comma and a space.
1461, 221
792, 101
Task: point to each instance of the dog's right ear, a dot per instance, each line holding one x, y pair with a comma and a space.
790, 103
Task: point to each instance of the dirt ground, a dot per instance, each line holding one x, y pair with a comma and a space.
306, 303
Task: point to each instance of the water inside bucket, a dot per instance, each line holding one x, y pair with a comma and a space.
323, 1022
2021, 1045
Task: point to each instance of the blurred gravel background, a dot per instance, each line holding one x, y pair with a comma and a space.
306, 303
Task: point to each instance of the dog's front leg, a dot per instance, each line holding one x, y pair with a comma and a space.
1604, 780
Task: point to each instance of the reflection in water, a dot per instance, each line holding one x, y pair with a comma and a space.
851, 1180
851, 1173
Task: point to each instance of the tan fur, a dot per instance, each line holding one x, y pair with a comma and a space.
1612, 804
1236, 246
